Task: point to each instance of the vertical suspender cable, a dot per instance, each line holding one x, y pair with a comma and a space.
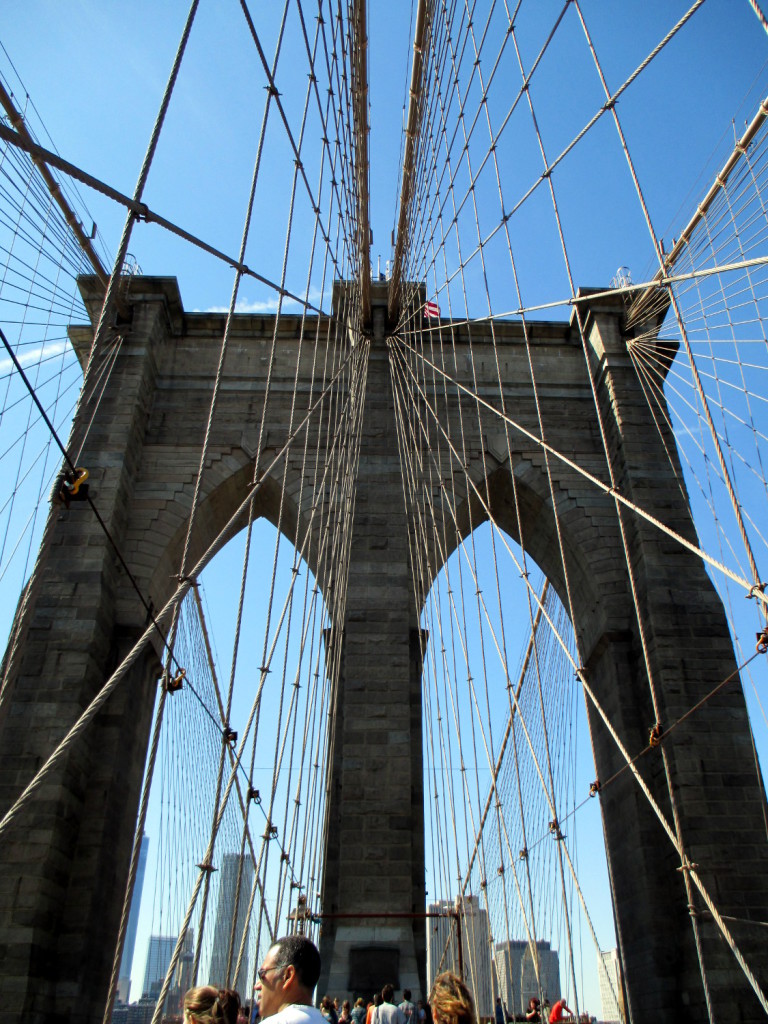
359, 63
423, 18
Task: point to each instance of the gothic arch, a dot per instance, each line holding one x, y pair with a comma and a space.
220, 516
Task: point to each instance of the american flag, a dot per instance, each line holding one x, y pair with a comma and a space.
431, 310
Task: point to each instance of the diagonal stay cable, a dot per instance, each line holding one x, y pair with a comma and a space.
601, 485
68, 459
184, 585
142, 212
687, 867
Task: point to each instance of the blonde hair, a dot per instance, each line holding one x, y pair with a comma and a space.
450, 1001
209, 1005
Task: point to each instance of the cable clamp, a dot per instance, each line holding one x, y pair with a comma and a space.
71, 483
500, 869
594, 787
181, 578
270, 832
554, 828
757, 588
173, 685
762, 641
207, 867
523, 855
253, 794
654, 736
687, 865
228, 734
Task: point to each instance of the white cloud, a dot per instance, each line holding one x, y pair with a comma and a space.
33, 355
244, 305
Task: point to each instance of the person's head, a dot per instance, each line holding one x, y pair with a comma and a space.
359, 1001
345, 1006
288, 974
209, 1005
376, 999
498, 1000
336, 1003
325, 1003
407, 995
450, 1001
533, 1003
387, 992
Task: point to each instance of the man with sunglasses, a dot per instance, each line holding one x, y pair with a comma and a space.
287, 979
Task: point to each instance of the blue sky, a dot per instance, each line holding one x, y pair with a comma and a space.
96, 71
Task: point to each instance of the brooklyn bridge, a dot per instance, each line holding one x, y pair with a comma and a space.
401, 601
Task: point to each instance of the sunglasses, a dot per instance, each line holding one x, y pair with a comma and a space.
263, 971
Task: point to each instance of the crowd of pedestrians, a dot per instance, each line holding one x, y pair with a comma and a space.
379, 1009
284, 992
536, 1011
287, 980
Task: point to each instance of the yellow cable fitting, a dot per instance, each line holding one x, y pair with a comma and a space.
175, 684
71, 483
81, 475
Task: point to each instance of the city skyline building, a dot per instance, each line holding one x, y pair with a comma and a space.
225, 915
159, 956
516, 969
129, 946
443, 951
611, 988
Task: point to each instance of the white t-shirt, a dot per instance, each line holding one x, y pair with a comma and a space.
297, 1013
388, 1013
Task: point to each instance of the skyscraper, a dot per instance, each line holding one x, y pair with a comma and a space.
442, 949
124, 980
158, 958
225, 915
517, 961
443, 952
611, 991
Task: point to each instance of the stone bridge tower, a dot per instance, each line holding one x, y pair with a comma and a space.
63, 864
